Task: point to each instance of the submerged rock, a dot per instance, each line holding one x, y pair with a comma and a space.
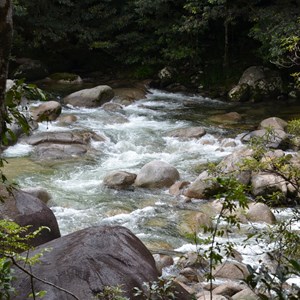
67, 119
119, 180
188, 133
39, 192
65, 78
61, 145
228, 118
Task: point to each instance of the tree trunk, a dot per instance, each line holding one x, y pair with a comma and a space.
226, 45
227, 22
6, 30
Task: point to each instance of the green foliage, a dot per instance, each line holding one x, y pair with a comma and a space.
266, 282
111, 293
232, 197
162, 289
16, 105
293, 127
143, 72
40, 294
14, 239
277, 27
63, 76
6, 277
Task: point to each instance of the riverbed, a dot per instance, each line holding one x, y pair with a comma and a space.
80, 200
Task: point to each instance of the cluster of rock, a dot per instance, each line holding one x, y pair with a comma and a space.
69, 145
191, 276
257, 83
271, 132
111, 256
84, 262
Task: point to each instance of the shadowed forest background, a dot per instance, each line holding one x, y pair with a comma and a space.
209, 42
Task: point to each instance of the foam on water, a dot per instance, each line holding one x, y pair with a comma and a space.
18, 150
77, 190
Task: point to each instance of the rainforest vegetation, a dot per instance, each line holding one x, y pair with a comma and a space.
216, 38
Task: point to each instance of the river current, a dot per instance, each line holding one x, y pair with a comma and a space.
80, 200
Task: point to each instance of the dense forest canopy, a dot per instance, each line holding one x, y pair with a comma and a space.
189, 34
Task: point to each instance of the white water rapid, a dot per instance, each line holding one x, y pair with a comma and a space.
79, 198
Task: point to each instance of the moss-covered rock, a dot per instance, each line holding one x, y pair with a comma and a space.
239, 93
66, 78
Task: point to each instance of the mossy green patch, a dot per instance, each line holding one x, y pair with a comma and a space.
63, 76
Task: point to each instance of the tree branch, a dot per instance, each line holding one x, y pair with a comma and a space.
42, 280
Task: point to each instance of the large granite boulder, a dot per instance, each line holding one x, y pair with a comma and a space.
231, 270
157, 174
87, 261
256, 84
93, 97
239, 93
48, 111
25, 209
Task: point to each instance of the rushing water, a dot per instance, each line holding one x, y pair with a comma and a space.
79, 198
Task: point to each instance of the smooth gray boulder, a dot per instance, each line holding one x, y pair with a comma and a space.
260, 212
94, 97
157, 174
48, 111
232, 165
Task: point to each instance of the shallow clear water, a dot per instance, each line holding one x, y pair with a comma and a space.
79, 198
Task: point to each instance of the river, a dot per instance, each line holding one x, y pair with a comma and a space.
80, 200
